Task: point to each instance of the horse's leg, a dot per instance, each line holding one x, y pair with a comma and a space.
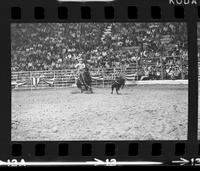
83, 81
81, 88
86, 88
79, 85
117, 88
91, 89
112, 89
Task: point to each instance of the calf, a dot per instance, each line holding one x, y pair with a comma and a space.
117, 84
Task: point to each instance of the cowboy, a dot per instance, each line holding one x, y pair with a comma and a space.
80, 67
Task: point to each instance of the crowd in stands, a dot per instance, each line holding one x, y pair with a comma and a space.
155, 48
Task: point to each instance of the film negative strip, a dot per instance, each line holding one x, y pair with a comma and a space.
101, 83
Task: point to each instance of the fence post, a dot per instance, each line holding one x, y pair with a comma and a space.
54, 77
103, 76
181, 60
137, 68
161, 67
31, 79
114, 73
63, 84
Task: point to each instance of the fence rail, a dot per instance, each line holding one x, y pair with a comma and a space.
65, 78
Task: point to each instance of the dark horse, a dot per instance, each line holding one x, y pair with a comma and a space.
84, 81
118, 83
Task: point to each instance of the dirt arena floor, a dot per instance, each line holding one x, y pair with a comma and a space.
142, 112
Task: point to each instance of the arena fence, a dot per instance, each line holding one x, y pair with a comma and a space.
63, 78
199, 69
30, 80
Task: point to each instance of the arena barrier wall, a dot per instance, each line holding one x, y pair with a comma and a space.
149, 82
29, 80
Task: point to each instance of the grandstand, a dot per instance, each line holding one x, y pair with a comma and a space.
44, 54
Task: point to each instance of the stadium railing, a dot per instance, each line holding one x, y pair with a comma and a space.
62, 78
30, 80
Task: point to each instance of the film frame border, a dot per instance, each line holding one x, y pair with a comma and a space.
165, 151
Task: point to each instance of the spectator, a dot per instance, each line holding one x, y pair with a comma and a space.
55, 46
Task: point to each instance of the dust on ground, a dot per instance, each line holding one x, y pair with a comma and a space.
145, 112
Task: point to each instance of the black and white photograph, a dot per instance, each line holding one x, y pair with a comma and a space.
99, 81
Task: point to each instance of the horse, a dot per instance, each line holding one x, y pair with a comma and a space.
117, 84
85, 81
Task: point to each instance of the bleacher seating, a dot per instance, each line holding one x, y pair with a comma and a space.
57, 46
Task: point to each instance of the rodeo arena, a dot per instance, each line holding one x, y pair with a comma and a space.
146, 65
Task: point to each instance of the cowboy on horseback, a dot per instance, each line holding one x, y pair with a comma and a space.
80, 67
84, 76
